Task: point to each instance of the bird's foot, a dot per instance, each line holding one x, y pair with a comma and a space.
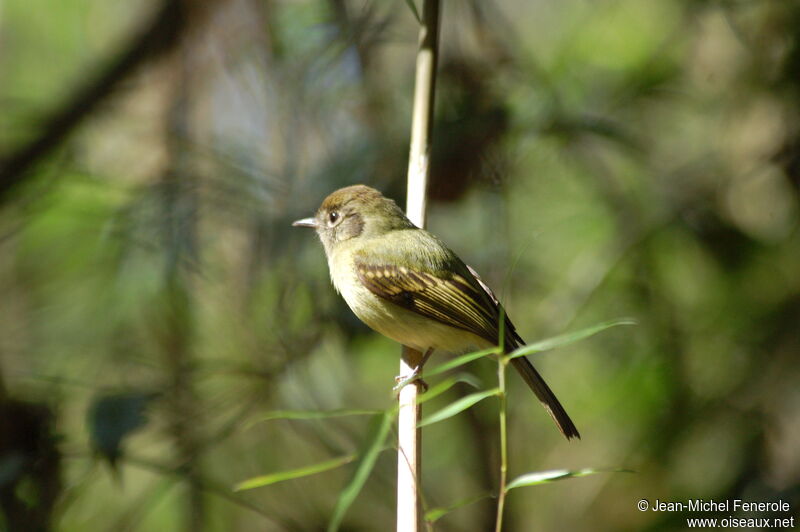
402, 380
415, 376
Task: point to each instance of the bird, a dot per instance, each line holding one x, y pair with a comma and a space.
405, 283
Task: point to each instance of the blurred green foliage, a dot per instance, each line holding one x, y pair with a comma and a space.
592, 160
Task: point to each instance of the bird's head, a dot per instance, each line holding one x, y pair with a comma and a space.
352, 212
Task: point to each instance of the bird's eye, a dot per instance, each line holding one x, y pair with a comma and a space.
333, 218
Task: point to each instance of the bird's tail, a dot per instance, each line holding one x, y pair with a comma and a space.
546, 396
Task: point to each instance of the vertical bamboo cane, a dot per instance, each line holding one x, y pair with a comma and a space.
409, 436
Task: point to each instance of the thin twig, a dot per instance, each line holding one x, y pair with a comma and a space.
502, 361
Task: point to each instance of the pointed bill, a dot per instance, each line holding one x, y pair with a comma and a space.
305, 222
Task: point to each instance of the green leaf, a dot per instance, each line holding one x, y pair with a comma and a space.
315, 414
543, 477
313, 469
446, 384
457, 407
113, 418
460, 361
413, 7
380, 429
568, 338
434, 514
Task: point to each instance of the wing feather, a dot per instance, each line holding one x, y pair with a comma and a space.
448, 299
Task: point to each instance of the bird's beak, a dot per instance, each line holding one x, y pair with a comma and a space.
305, 222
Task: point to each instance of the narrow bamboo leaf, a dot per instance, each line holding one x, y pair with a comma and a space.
543, 477
568, 338
380, 429
457, 407
313, 469
460, 361
413, 7
446, 384
434, 514
315, 414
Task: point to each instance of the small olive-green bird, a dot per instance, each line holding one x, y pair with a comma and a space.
406, 284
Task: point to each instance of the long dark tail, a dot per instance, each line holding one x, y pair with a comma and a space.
546, 396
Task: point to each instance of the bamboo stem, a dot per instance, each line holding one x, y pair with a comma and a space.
409, 436
409, 445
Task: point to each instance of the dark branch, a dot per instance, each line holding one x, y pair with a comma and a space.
161, 35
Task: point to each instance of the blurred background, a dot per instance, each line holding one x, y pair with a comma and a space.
592, 160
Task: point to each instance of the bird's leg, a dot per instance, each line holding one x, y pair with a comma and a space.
415, 375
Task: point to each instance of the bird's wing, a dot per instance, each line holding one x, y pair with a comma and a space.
449, 294
441, 287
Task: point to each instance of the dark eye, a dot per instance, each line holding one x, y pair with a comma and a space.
333, 217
